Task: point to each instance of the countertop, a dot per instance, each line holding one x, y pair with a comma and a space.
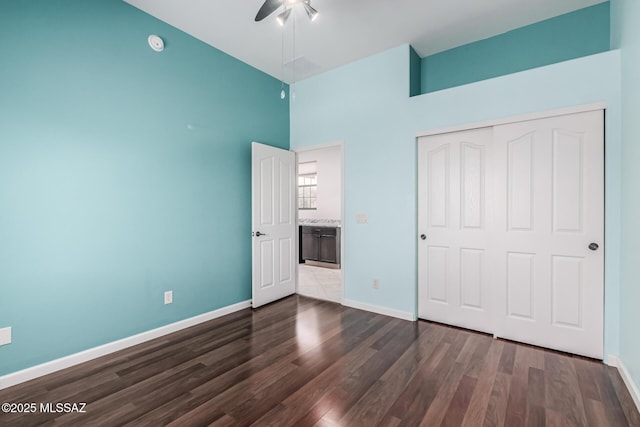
319, 222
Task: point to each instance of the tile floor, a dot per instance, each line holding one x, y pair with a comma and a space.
319, 282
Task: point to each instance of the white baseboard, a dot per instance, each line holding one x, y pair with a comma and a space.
404, 315
102, 350
626, 377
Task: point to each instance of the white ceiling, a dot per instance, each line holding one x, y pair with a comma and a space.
347, 30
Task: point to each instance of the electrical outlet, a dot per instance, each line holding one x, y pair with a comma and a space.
362, 219
168, 297
376, 284
5, 336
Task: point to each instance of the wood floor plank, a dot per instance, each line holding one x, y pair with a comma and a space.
613, 408
468, 350
304, 362
508, 358
517, 405
460, 403
482, 393
624, 397
536, 388
336, 376
310, 402
389, 421
428, 391
442, 400
373, 405
586, 380
497, 406
223, 421
312, 417
363, 378
218, 379
562, 391
479, 356
516, 412
159, 389
596, 416
418, 382
422, 388
257, 402
536, 417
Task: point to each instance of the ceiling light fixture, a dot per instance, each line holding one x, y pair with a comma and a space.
271, 6
282, 18
311, 12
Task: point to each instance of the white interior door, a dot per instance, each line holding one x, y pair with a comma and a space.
551, 205
273, 223
513, 219
455, 225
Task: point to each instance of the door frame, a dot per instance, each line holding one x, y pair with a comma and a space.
513, 119
343, 227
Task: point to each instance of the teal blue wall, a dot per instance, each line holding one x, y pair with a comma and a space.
123, 173
580, 33
625, 18
415, 73
379, 130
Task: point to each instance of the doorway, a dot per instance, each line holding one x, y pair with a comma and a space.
320, 201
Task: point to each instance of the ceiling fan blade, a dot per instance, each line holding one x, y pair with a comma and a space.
268, 8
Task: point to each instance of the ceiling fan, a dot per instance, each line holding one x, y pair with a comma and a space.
270, 6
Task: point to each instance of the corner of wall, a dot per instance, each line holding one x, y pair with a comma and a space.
615, 27
415, 73
627, 378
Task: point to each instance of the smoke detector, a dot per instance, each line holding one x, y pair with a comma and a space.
156, 43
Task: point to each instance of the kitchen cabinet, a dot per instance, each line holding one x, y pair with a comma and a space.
320, 245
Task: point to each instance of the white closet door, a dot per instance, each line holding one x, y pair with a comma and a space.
550, 207
455, 222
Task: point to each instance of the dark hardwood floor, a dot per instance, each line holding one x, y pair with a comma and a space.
305, 362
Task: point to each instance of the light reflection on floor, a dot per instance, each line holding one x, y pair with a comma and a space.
307, 331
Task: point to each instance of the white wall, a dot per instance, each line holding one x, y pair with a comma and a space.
329, 166
366, 104
626, 35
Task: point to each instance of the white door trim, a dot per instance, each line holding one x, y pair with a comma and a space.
514, 119
343, 226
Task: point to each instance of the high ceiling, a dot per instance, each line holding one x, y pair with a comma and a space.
347, 30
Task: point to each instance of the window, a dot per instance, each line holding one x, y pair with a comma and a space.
307, 185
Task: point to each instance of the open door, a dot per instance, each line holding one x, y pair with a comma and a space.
273, 223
